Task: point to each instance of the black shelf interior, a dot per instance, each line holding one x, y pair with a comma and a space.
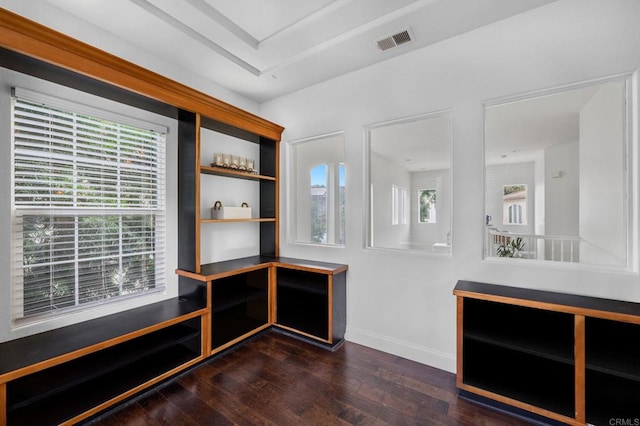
47, 383
611, 397
521, 376
536, 332
613, 347
60, 393
65, 405
302, 302
240, 304
308, 282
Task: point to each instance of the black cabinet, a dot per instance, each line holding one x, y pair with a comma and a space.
311, 303
568, 358
303, 302
239, 305
73, 372
499, 339
612, 382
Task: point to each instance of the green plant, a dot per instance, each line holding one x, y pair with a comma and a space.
511, 249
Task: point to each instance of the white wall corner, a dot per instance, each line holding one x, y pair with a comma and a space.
422, 354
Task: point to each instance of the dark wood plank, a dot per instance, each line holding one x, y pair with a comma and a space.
277, 380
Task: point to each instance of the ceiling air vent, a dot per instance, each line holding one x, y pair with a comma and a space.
395, 40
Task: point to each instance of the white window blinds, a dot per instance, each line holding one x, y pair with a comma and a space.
89, 206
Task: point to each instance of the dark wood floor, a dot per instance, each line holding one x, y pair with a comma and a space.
276, 380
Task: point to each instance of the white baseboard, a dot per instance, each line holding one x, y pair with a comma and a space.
411, 351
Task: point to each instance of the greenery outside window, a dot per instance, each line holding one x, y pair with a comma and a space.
427, 206
88, 206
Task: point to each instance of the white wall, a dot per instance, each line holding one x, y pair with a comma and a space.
562, 191
601, 177
401, 302
384, 174
9, 79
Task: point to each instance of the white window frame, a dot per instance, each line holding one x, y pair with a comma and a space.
295, 191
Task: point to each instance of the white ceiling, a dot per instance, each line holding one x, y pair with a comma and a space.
519, 131
416, 145
263, 49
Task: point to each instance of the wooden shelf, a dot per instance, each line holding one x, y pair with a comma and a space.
532, 347
217, 270
260, 219
218, 171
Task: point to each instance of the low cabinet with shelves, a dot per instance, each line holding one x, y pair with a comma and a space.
239, 307
568, 358
312, 303
498, 339
70, 374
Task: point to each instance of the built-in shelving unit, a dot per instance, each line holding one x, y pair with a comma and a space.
568, 358
74, 373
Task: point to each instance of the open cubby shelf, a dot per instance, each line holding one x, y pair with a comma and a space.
65, 405
115, 354
569, 358
239, 305
613, 348
44, 384
611, 397
534, 331
499, 370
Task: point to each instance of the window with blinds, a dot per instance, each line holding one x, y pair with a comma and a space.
88, 206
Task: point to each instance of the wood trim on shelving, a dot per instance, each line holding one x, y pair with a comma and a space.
51, 362
459, 339
239, 339
302, 333
123, 396
595, 313
273, 288
207, 278
580, 369
330, 308
257, 219
197, 196
277, 201
341, 268
40, 42
522, 405
216, 171
3, 404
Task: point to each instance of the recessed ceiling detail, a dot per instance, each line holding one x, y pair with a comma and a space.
395, 40
241, 44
